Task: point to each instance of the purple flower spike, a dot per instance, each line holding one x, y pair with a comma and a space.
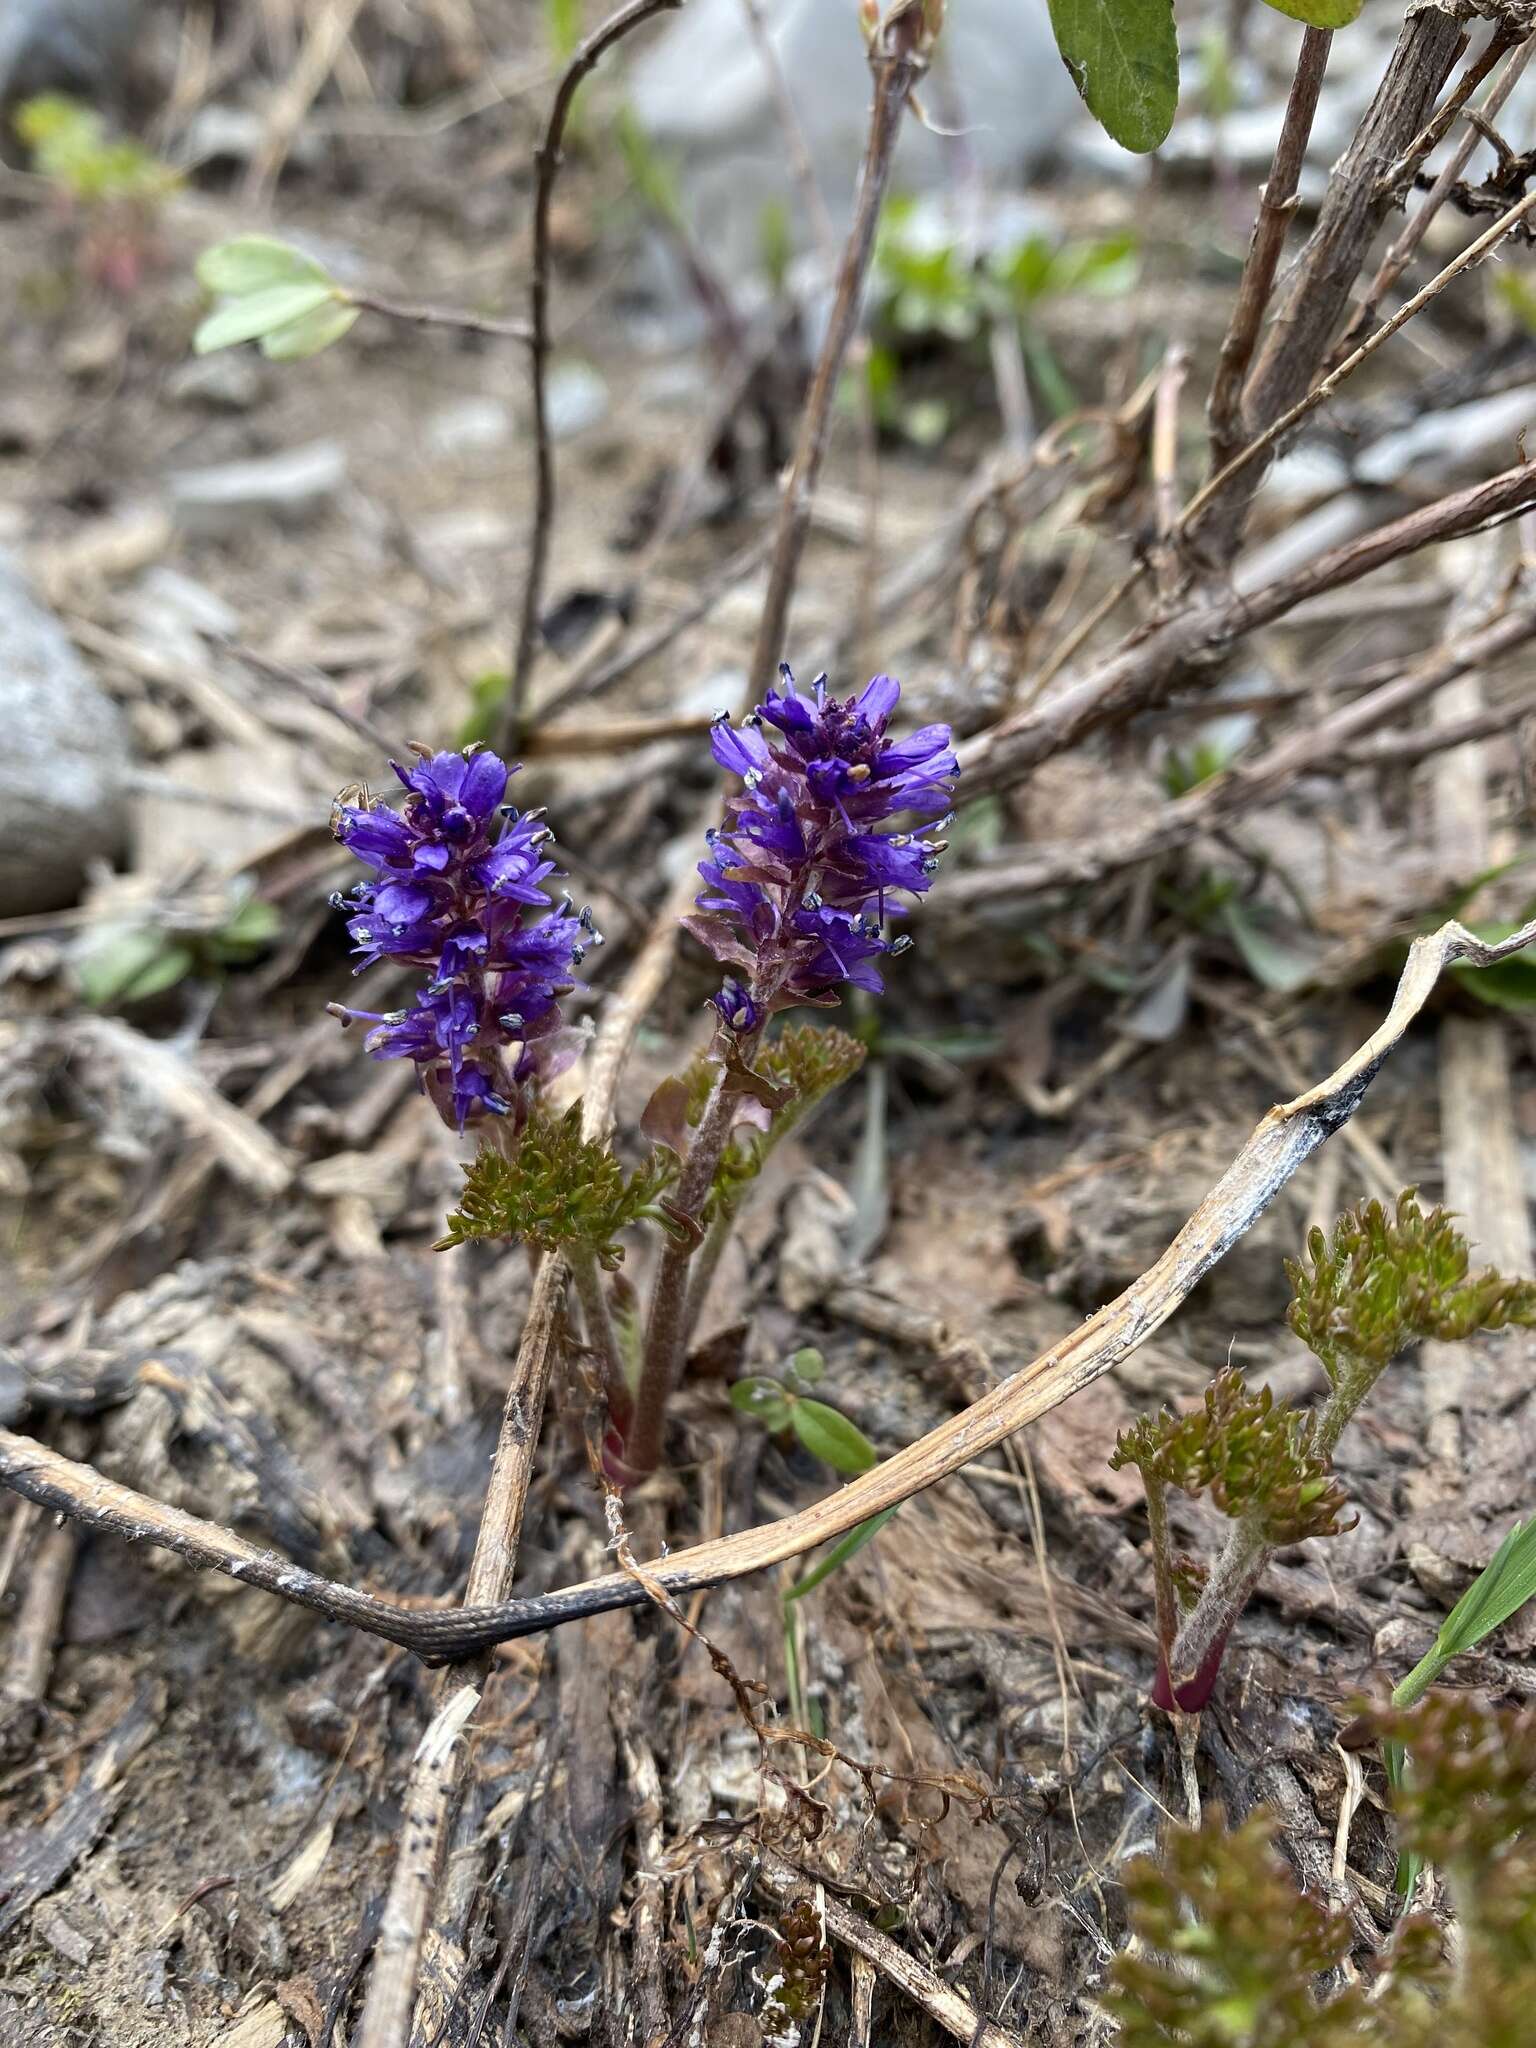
797, 889
456, 873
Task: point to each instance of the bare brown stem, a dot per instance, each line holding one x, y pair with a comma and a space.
1240, 789
1417, 226
1315, 293
895, 69
1277, 205
1140, 673
442, 316
547, 160
1263, 443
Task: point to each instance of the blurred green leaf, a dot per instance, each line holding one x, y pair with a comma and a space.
487, 694
844, 1548
1273, 962
764, 1400
562, 18
252, 928
258, 313
653, 176
130, 966
1506, 985
1320, 13
309, 334
808, 1365
1518, 293
832, 1437
775, 244
255, 263
1124, 59
1184, 770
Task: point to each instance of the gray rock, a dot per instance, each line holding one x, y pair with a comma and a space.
66, 748
701, 91
292, 487
79, 45
576, 401
470, 426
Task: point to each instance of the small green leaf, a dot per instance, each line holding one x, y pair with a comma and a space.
844, 1548
258, 313
1506, 985
310, 333
764, 1400
1124, 59
1273, 962
1500, 1589
808, 1365
1320, 13
255, 263
132, 966
832, 1437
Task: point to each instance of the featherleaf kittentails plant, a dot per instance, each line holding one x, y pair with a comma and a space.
1377, 1283
826, 839
1226, 1952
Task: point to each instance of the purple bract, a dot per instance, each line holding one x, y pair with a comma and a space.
798, 888
456, 870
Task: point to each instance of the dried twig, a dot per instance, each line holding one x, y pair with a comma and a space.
1240, 789
1278, 1145
1277, 204
1139, 673
329, 27
35, 1636
1263, 443
547, 159
948, 2008
442, 316
895, 68
1417, 226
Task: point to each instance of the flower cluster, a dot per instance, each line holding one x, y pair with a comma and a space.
456, 872
798, 887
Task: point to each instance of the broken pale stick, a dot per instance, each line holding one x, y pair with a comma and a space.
1280, 1142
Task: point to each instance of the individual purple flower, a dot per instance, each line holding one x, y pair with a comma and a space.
456, 874
798, 887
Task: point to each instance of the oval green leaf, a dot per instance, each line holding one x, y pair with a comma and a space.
808, 1365
832, 1437
1124, 59
1320, 13
763, 1400
310, 333
245, 319
255, 263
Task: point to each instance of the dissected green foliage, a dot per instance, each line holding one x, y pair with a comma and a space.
1470, 1798
1228, 1953
1227, 1949
804, 1063
1381, 1281
558, 1188
1252, 1454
